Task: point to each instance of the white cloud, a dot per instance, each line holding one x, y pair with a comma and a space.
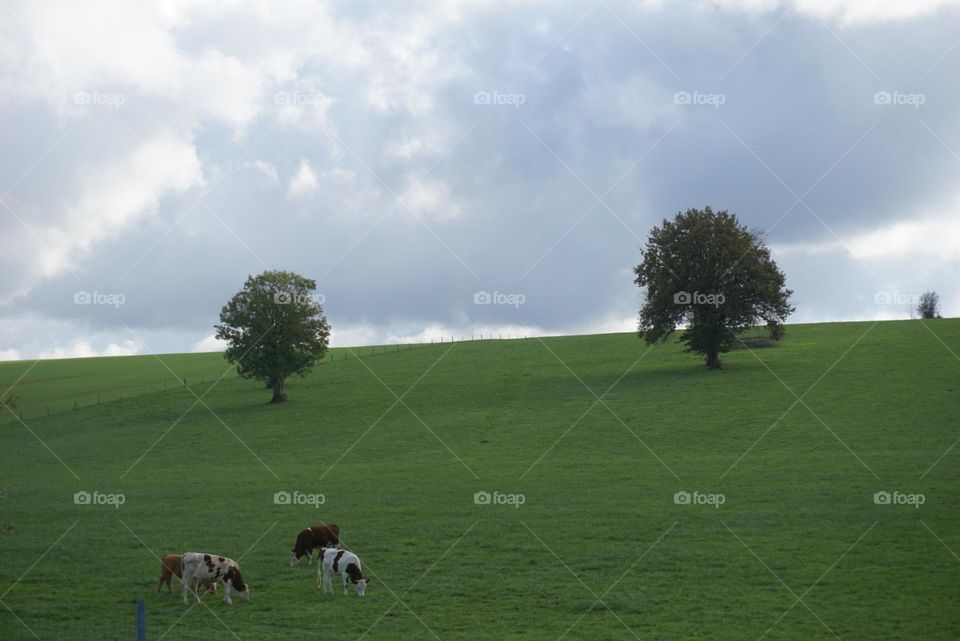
9, 355
114, 196
430, 200
209, 344
84, 349
920, 240
264, 168
843, 11
304, 182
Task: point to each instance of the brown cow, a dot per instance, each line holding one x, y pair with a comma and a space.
317, 536
172, 565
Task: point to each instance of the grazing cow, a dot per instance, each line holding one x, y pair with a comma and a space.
197, 567
317, 536
332, 561
170, 567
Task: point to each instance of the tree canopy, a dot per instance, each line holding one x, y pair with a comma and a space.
274, 328
929, 305
705, 271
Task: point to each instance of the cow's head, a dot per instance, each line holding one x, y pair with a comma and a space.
295, 559
237, 583
356, 576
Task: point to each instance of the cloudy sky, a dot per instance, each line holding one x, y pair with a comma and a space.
408, 155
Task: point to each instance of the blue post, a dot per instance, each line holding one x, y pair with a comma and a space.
141, 620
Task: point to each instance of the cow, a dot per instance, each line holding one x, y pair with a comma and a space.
317, 536
170, 566
198, 566
332, 561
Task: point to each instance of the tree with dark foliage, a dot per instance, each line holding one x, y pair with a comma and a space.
706, 271
929, 305
275, 328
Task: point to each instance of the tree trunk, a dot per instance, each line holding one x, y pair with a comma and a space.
713, 360
271, 382
278, 395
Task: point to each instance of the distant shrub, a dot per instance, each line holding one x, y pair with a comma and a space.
929, 305
776, 330
758, 337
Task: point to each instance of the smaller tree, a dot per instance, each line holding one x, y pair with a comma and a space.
274, 328
929, 305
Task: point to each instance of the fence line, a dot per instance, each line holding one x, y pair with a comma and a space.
136, 622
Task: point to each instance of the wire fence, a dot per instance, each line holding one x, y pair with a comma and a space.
135, 621
27, 411
209, 630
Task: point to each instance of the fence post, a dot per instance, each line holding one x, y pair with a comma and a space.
141, 620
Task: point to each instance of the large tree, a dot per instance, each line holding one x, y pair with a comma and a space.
275, 328
705, 271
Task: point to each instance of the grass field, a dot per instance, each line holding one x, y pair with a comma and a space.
599, 549
51, 386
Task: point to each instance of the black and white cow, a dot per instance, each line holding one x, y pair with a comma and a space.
198, 567
335, 561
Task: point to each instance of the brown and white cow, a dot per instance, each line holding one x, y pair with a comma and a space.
317, 536
332, 561
198, 566
170, 566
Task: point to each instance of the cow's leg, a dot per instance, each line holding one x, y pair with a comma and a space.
328, 582
226, 594
186, 588
345, 590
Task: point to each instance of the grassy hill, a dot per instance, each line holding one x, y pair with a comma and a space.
798, 548
58, 385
